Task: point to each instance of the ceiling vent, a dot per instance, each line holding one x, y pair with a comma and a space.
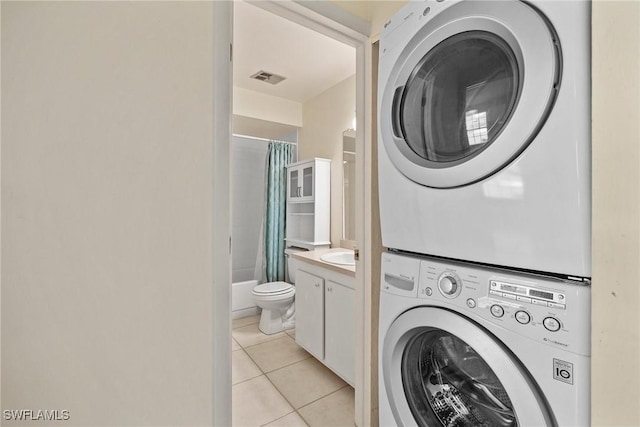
268, 77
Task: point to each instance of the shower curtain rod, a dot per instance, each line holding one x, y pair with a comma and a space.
264, 139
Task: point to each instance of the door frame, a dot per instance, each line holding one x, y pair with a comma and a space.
221, 222
330, 20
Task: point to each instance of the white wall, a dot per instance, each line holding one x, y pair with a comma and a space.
107, 185
325, 118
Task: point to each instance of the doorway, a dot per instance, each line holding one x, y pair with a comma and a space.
342, 27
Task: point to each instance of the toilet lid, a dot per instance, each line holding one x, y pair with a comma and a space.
273, 288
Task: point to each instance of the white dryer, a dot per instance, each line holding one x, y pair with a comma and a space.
466, 346
484, 132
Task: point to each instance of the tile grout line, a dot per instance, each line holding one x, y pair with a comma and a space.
261, 342
265, 374
279, 391
242, 326
272, 383
278, 338
285, 398
327, 395
249, 379
286, 415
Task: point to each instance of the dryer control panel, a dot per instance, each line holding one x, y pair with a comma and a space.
546, 309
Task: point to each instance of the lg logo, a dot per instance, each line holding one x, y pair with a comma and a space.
563, 371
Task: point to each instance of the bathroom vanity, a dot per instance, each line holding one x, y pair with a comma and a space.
325, 311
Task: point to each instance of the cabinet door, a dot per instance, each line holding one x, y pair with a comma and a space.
339, 330
293, 183
309, 313
307, 182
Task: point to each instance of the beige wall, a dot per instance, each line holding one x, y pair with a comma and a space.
381, 11
376, 12
325, 118
255, 105
107, 175
616, 214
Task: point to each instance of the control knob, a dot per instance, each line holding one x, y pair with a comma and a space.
449, 285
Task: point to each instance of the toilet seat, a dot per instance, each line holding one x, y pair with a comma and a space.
273, 289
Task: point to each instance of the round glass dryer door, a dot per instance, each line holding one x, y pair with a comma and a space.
469, 92
441, 369
459, 97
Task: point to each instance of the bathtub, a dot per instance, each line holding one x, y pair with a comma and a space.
242, 304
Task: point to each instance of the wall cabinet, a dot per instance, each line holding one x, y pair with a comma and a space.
325, 322
308, 204
300, 181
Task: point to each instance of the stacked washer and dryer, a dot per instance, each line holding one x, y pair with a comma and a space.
485, 203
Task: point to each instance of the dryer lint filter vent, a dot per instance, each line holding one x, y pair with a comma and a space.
268, 77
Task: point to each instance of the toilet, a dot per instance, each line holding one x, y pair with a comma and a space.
276, 299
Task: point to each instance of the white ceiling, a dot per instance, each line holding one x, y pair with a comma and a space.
311, 62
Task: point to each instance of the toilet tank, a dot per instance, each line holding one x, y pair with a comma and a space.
290, 271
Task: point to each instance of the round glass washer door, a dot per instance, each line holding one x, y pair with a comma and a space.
469, 92
441, 369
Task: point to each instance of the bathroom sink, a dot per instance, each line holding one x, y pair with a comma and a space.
342, 258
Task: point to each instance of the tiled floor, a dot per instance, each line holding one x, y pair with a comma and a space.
277, 383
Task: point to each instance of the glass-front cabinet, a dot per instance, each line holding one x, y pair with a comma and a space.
300, 182
308, 203
292, 182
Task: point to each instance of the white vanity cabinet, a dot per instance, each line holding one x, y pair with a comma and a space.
309, 204
339, 333
325, 317
309, 313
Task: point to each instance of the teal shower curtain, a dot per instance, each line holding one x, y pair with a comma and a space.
279, 155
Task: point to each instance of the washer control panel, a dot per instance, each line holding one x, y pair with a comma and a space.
544, 309
528, 294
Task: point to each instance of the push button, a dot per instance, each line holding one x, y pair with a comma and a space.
538, 302
471, 303
523, 317
554, 305
551, 323
497, 310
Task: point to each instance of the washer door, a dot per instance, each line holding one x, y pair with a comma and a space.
469, 92
441, 369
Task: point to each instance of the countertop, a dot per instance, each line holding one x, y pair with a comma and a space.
313, 257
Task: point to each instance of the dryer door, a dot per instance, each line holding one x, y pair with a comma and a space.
441, 369
469, 92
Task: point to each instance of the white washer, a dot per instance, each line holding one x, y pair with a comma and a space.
484, 135
461, 345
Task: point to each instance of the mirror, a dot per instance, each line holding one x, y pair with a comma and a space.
348, 185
